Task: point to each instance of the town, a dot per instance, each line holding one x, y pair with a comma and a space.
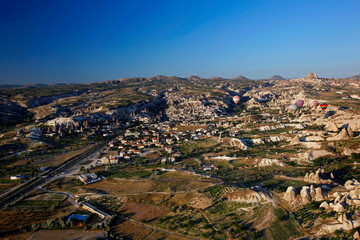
240, 158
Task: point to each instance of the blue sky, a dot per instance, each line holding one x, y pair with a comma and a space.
87, 41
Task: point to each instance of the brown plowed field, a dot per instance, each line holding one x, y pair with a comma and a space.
147, 212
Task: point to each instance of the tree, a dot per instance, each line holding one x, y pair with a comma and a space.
62, 224
34, 227
22, 228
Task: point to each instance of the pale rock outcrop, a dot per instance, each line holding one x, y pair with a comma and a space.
342, 218
312, 191
339, 207
343, 135
350, 132
347, 152
355, 193
351, 184
312, 145
313, 177
258, 141
346, 225
270, 162
306, 177
276, 138
295, 140
324, 205
317, 177
248, 196
331, 126
290, 194
300, 126
319, 194
337, 200
314, 154
234, 142
312, 76
356, 235
336, 195
305, 194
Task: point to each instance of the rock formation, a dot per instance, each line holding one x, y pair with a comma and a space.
319, 194
343, 135
331, 126
234, 142
351, 184
305, 194
295, 140
312, 76
318, 177
270, 162
290, 194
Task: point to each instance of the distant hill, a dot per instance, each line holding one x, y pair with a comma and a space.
10, 86
35, 85
217, 78
240, 77
355, 77
276, 77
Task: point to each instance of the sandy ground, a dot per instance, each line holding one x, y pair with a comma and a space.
66, 235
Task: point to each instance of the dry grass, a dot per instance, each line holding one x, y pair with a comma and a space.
143, 212
56, 160
4, 187
118, 186
181, 198
12, 220
66, 234
200, 201
130, 230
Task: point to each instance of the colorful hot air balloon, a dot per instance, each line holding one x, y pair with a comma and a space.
323, 106
236, 99
315, 103
293, 108
300, 103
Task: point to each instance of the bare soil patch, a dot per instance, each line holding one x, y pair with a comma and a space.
181, 198
116, 186
201, 202
12, 220
144, 212
66, 234
129, 230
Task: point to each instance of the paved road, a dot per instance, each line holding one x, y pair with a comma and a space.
39, 181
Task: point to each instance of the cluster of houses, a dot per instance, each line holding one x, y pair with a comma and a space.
135, 143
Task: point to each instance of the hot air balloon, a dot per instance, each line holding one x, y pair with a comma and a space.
315, 103
236, 99
300, 103
323, 106
293, 108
